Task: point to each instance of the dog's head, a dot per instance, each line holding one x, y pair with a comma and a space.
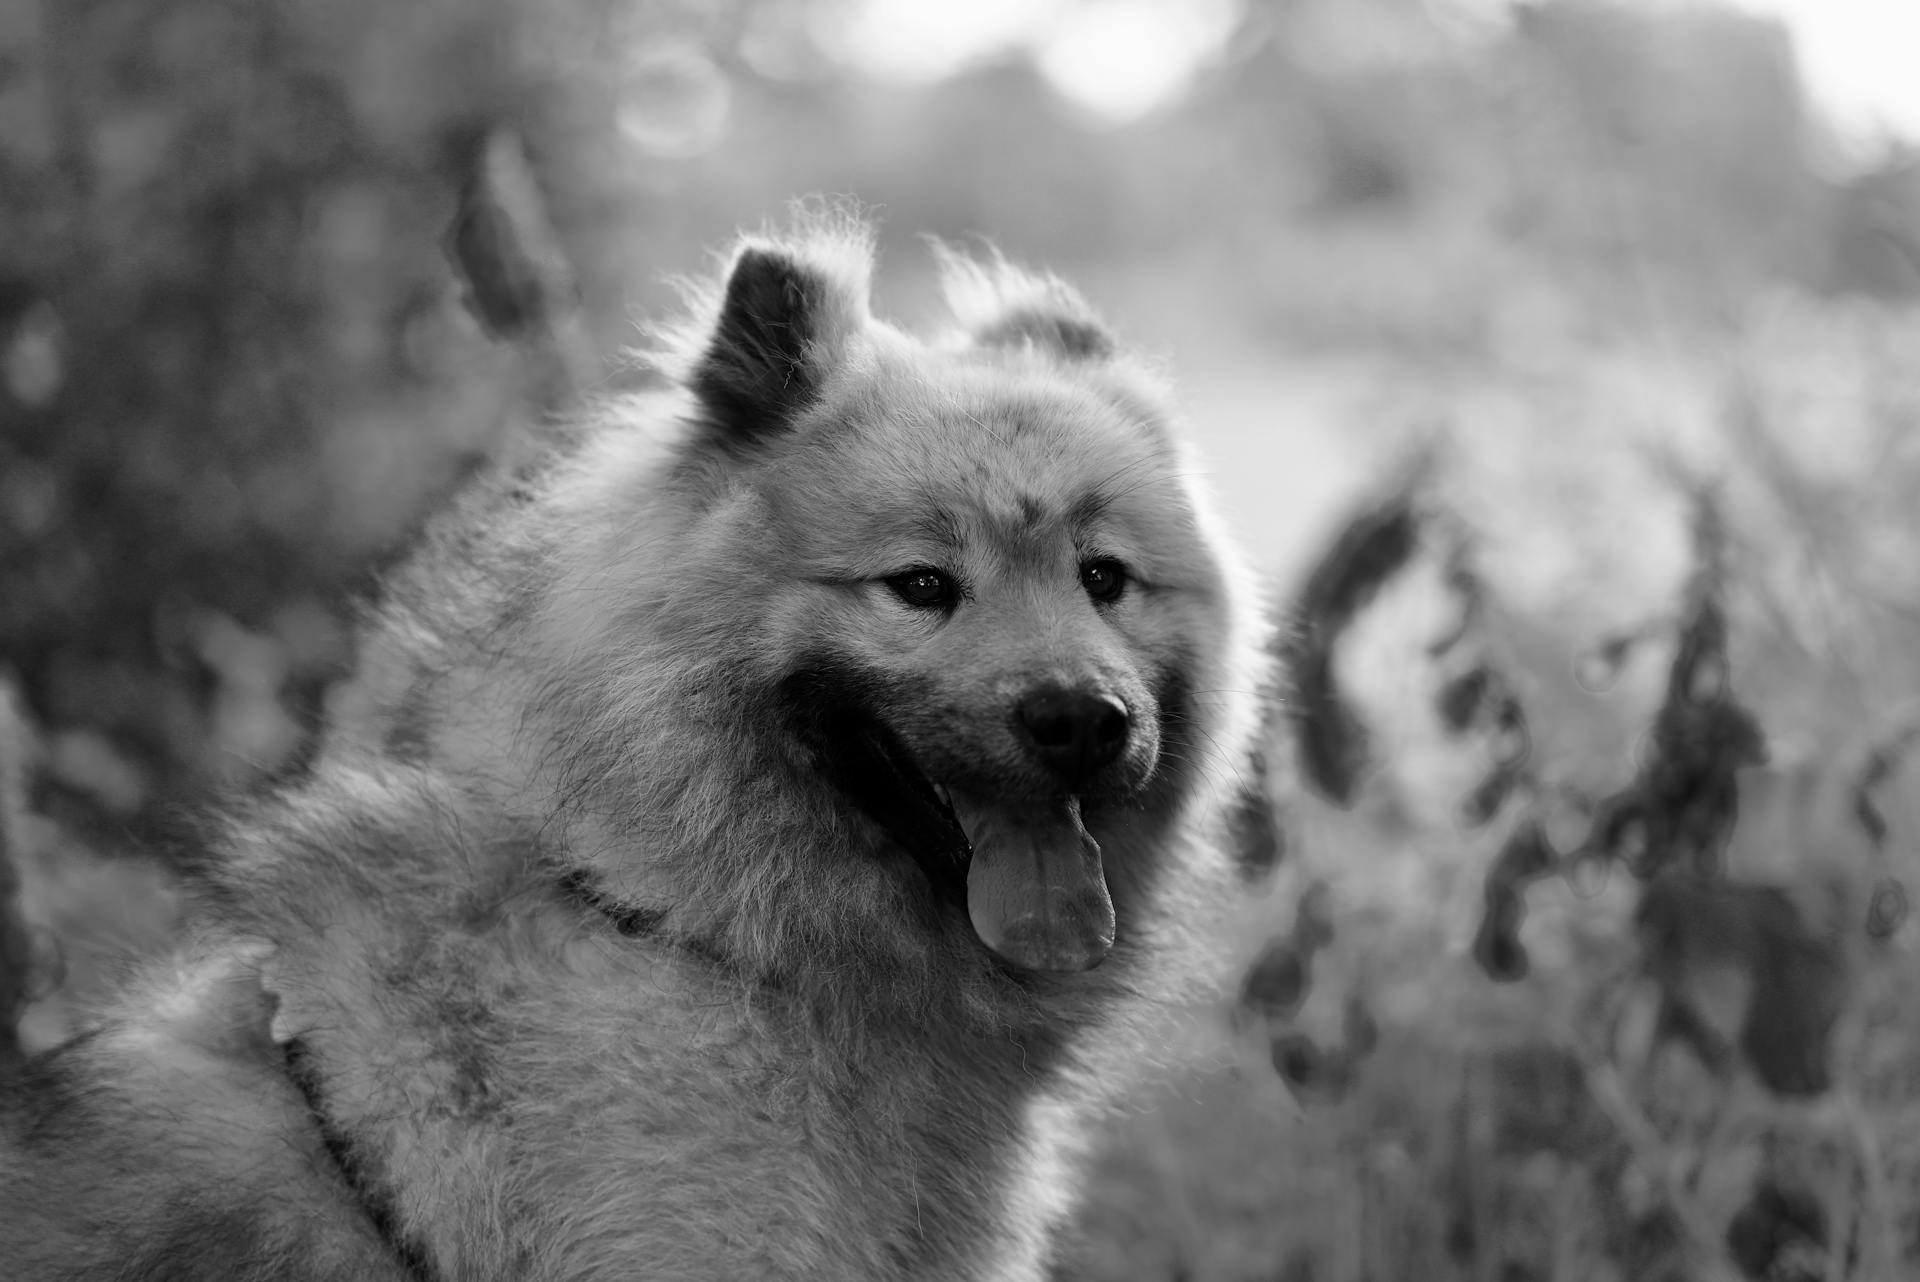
973, 572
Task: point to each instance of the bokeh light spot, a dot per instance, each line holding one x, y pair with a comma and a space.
674, 102
1121, 59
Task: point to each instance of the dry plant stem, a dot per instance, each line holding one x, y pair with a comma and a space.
1572, 1205
1834, 1206
16, 950
1610, 1093
1881, 1228
527, 260
1738, 1117
1875, 1220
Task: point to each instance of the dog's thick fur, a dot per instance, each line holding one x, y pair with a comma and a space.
676, 894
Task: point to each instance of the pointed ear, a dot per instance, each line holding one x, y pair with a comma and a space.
999, 305
785, 319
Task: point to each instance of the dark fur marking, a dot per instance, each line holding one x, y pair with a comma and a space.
1131, 882
1074, 337
941, 526
828, 703
630, 920
463, 1039
200, 1243
45, 1092
1173, 691
1087, 510
375, 1200
411, 732
1254, 829
635, 921
757, 374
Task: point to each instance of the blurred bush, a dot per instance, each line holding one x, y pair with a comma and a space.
234, 368
1566, 237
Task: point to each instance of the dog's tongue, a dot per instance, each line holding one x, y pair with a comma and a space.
1035, 890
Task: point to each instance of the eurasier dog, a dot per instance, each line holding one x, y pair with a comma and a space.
768, 828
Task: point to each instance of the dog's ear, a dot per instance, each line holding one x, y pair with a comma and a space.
785, 319
999, 305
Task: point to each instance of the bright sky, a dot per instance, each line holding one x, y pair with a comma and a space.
1123, 58
1118, 58
1859, 58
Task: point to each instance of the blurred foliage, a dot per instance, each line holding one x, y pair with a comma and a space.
1579, 245
237, 370
235, 367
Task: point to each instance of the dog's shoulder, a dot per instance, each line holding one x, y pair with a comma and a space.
169, 1142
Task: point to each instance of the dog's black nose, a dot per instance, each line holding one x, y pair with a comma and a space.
1076, 734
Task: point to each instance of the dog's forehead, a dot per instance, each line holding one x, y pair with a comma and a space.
1015, 461
1007, 447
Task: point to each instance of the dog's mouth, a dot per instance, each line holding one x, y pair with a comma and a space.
1028, 871
1036, 889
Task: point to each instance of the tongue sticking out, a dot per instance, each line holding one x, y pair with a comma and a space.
1036, 893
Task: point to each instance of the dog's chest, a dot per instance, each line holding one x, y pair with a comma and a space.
603, 1103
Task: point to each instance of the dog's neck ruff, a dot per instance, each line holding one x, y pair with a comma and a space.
635, 921
377, 1199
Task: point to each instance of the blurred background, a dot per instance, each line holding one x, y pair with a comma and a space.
1573, 250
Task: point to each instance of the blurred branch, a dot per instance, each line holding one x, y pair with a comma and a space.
520, 286
1613, 1099
16, 950
1373, 546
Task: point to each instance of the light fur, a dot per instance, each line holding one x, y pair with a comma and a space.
583, 968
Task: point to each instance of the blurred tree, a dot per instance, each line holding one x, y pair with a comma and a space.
232, 363
1876, 237
1675, 139
234, 367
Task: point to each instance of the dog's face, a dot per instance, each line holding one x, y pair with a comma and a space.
983, 585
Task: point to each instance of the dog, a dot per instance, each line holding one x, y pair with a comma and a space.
759, 838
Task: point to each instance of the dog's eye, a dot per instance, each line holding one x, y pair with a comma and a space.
1104, 579
926, 588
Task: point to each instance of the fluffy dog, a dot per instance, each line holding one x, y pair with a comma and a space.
757, 839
